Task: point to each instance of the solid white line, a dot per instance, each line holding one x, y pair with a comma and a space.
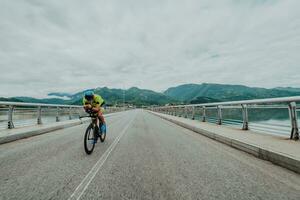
90, 176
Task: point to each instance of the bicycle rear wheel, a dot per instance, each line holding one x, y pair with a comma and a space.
89, 140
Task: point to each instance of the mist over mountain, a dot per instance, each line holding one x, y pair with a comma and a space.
187, 93
60, 94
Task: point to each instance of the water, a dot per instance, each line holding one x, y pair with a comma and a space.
28, 117
264, 120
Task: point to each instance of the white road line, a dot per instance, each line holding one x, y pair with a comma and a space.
90, 176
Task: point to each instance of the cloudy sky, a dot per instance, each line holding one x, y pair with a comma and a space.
69, 45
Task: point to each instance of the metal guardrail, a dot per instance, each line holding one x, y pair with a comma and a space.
38, 111
289, 103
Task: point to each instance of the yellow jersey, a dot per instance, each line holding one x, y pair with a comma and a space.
95, 102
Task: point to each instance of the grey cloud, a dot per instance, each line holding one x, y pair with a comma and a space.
69, 45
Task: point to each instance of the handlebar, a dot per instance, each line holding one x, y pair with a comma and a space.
92, 116
91, 113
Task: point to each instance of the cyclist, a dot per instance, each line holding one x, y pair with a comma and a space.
94, 103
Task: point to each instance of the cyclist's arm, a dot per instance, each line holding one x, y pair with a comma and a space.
96, 108
86, 104
99, 102
102, 104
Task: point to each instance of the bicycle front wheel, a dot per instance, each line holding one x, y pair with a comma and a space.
89, 137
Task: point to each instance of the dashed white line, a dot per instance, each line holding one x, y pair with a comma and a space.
78, 192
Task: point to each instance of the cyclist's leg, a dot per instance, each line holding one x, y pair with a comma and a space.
101, 117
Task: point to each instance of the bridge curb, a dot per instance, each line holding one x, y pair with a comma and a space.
277, 158
30, 133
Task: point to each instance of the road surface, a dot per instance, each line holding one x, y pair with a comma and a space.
144, 157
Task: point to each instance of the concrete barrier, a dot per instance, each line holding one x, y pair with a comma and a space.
36, 130
25, 132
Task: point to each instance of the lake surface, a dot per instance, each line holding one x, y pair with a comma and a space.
264, 120
29, 118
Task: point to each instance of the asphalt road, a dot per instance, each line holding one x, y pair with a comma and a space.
144, 157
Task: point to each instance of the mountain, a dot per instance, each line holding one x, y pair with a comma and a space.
199, 100
290, 89
146, 97
46, 100
220, 92
188, 93
133, 96
10, 99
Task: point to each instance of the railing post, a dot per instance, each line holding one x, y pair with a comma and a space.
245, 117
219, 122
193, 113
203, 114
10, 124
70, 113
57, 114
294, 122
185, 111
39, 115
175, 113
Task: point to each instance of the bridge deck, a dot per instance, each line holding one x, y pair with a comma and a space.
153, 159
266, 146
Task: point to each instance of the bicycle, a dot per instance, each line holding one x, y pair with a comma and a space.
92, 132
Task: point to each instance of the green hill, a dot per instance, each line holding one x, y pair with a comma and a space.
220, 92
188, 93
133, 96
46, 100
10, 99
